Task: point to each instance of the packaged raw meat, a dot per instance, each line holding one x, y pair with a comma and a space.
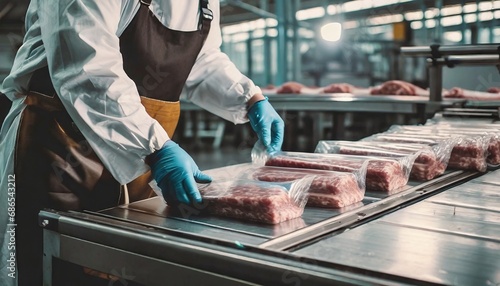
265, 202
383, 174
428, 162
493, 139
482, 134
469, 153
328, 188
490, 130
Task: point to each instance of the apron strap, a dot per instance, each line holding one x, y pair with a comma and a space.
206, 15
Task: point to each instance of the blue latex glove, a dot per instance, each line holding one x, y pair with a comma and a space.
267, 124
176, 174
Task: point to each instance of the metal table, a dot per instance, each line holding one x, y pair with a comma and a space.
318, 106
430, 233
346, 102
452, 238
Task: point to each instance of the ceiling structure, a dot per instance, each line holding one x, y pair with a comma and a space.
233, 11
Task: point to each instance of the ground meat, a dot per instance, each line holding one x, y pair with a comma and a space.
252, 202
469, 154
385, 175
340, 165
381, 175
458, 161
328, 189
328, 201
494, 151
424, 168
426, 172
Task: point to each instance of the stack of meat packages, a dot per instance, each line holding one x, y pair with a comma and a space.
472, 147
489, 131
278, 186
280, 190
430, 156
427, 150
339, 180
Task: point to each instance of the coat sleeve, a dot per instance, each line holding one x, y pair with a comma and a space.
215, 83
86, 68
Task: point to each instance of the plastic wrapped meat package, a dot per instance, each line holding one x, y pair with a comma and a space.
328, 189
470, 128
263, 202
492, 140
429, 162
469, 153
382, 174
466, 154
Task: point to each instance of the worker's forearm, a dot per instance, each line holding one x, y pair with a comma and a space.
254, 99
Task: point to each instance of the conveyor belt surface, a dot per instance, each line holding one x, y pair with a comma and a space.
451, 238
314, 221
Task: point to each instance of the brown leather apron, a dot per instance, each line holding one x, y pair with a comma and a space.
5, 105
54, 164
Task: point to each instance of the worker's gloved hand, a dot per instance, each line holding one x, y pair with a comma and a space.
176, 174
267, 124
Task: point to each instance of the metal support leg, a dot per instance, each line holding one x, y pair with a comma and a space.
339, 126
51, 249
436, 82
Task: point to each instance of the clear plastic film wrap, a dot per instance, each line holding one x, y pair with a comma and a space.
328, 189
263, 202
469, 153
382, 174
428, 163
492, 130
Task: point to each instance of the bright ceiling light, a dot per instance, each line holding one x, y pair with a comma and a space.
416, 25
311, 13
331, 32
453, 36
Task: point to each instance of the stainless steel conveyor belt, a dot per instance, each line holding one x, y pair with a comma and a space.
441, 232
452, 238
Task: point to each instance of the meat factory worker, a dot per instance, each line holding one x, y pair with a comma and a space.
95, 91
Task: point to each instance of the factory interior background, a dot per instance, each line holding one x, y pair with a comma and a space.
317, 43
409, 222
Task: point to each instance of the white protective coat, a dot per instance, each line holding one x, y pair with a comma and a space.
79, 41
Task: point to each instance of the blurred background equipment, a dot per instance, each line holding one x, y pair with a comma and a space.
404, 95
318, 43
